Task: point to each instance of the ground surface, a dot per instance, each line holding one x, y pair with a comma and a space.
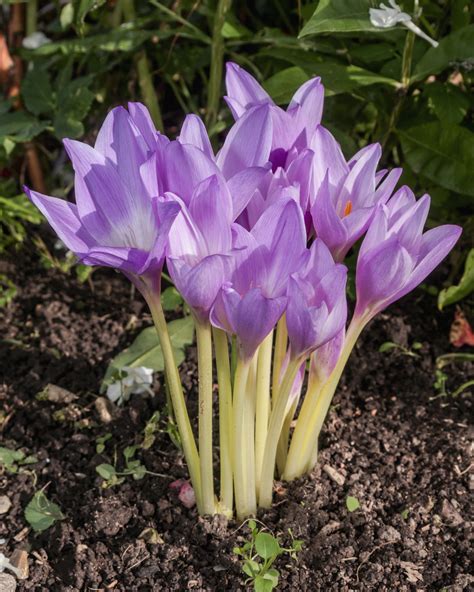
404, 456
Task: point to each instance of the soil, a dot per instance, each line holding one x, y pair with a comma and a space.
388, 442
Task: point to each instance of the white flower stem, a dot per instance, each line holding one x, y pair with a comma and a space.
281, 342
177, 397
245, 499
221, 348
277, 418
263, 402
204, 352
314, 410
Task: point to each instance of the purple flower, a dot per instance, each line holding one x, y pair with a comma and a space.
118, 220
243, 160
396, 255
317, 304
346, 194
255, 298
200, 244
293, 127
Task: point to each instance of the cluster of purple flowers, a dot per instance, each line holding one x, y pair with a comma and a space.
255, 235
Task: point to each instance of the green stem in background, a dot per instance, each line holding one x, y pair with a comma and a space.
277, 418
204, 354
245, 499
264, 367
407, 59
177, 397
221, 348
31, 17
405, 83
281, 342
145, 80
314, 410
217, 62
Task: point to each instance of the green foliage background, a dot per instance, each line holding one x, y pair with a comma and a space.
381, 85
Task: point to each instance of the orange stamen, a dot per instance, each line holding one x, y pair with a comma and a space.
347, 209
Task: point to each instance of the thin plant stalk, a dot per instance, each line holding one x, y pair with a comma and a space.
31, 16
177, 397
245, 499
217, 62
204, 353
221, 348
249, 423
282, 450
145, 80
262, 413
314, 411
277, 418
281, 342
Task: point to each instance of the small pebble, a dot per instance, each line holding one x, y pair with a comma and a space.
5, 504
105, 409
7, 583
334, 475
19, 559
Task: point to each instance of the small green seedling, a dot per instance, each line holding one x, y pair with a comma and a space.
13, 460
352, 503
441, 377
133, 468
152, 427
258, 555
40, 513
405, 351
100, 442
405, 513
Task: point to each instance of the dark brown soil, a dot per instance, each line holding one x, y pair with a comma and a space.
403, 455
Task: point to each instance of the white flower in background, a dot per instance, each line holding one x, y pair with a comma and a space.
134, 381
5, 564
35, 40
385, 17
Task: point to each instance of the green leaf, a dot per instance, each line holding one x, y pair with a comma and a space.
454, 50
171, 299
9, 458
120, 39
67, 15
37, 92
250, 567
40, 513
20, 126
387, 346
272, 574
263, 584
337, 78
352, 503
266, 545
106, 471
443, 153
84, 7
74, 102
282, 86
448, 101
146, 349
464, 288
339, 16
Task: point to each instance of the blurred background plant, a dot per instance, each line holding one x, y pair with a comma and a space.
63, 65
